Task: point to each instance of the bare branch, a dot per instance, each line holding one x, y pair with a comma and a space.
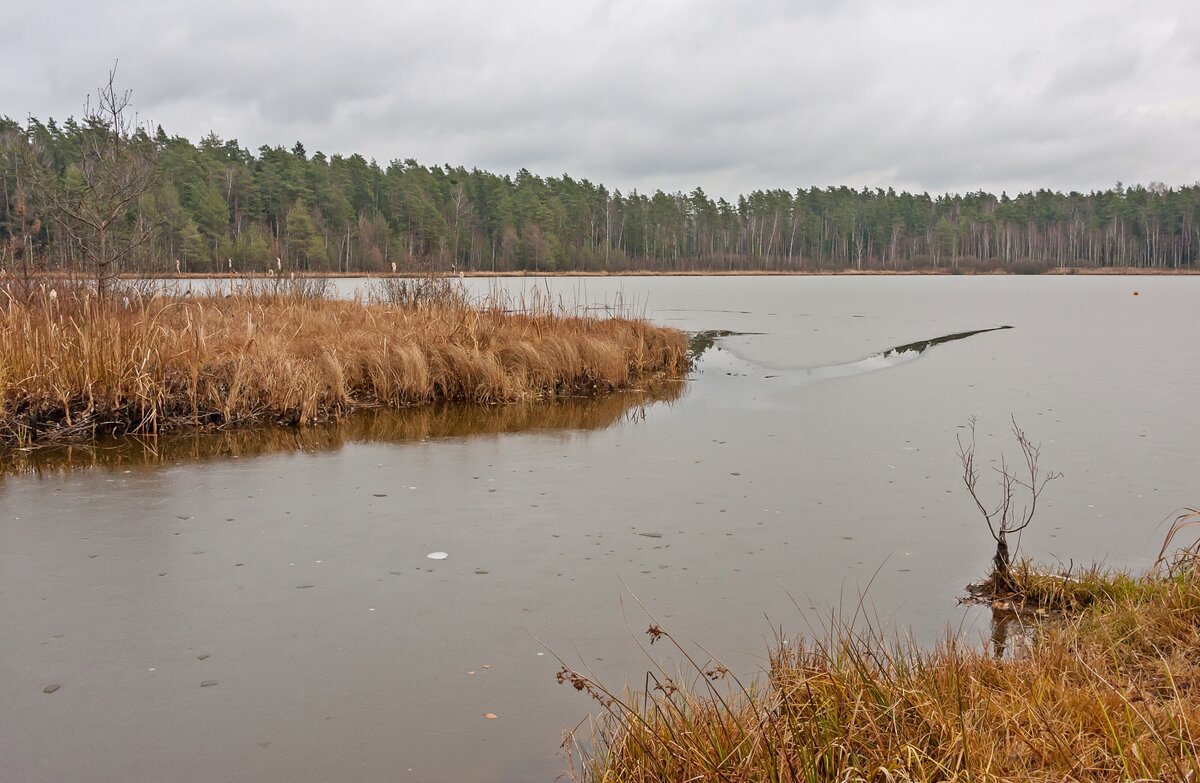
966, 454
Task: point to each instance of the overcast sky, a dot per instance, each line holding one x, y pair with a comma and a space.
728, 96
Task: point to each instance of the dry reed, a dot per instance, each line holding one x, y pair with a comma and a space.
72, 367
1111, 693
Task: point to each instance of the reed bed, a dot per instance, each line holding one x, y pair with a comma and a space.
73, 367
1110, 693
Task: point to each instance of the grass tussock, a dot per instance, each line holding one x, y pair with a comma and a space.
1044, 591
73, 367
1038, 589
1111, 693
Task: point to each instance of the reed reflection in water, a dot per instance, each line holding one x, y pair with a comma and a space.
371, 426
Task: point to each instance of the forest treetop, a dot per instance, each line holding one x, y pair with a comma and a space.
214, 206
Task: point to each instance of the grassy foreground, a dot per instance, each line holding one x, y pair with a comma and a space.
1109, 693
72, 367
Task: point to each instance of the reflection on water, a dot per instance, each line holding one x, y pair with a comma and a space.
1002, 629
371, 426
1013, 631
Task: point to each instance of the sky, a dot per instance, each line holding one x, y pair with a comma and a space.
653, 94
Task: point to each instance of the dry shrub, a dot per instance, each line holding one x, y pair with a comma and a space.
74, 367
425, 290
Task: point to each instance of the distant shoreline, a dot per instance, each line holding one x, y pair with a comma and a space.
1067, 271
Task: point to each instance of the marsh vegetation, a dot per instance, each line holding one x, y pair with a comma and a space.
1110, 691
76, 365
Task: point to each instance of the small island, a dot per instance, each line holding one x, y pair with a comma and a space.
78, 365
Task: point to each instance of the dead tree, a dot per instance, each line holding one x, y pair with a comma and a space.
1020, 489
95, 202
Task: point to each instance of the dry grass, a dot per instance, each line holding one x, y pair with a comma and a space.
72, 367
1112, 693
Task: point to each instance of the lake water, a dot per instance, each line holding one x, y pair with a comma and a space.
256, 607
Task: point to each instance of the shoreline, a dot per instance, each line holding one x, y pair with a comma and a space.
1067, 271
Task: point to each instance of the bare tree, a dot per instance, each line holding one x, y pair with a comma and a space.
464, 212
1020, 489
95, 203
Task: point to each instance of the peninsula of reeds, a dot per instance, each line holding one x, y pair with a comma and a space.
75, 366
1095, 678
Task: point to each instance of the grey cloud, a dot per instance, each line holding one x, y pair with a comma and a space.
730, 96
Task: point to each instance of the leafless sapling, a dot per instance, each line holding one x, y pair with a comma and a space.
95, 203
1020, 489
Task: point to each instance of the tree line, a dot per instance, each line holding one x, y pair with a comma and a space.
112, 196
